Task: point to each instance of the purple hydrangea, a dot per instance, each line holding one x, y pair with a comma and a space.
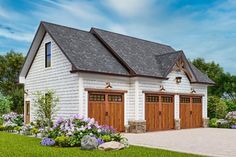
100, 141
105, 129
78, 116
47, 142
233, 126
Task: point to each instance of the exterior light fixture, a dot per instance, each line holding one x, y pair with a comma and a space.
193, 90
108, 85
178, 80
162, 89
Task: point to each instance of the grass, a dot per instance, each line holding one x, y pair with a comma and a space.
22, 146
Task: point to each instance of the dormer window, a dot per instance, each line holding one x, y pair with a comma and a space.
48, 54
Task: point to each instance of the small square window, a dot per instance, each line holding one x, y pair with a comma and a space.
48, 54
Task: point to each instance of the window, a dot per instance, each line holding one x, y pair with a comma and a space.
152, 99
184, 100
48, 54
117, 98
97, 97
27, 108
197, 100
167, 99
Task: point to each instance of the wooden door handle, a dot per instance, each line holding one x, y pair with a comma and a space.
159, 112
106, 113
191, 112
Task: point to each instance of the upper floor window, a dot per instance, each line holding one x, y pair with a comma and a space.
48, 54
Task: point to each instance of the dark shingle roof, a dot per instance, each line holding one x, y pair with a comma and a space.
108, 52
84, 50
137, 53
201, 77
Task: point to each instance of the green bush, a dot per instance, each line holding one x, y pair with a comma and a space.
223, 125
63, 141
213, 123
34, 131
231, 106
5, 105
106, 138
1, 128
18, 129
217, 107
1, 121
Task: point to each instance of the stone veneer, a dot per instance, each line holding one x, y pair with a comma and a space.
136, 126
177, 124
205, 122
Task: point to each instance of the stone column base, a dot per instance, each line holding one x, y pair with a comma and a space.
205, 122
177, 124
137, 126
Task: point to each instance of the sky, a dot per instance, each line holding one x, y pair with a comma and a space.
201, 28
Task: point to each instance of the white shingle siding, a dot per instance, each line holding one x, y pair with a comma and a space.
69, 87
57, 78
171, 86
117, 83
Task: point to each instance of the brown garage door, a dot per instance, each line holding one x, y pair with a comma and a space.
107, 109
159, 112
191, 111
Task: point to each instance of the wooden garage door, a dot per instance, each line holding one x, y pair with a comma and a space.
107, 109
190, 112
159, 112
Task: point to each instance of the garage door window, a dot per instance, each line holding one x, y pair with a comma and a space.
184, 100
196, 100
152, 99
116, 98
97, 97
167, 99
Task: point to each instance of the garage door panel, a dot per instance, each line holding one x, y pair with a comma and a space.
107, 109
191, 111
159, 112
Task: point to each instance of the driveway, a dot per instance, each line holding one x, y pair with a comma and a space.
203, 141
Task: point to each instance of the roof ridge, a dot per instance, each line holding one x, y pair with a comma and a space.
68, 27
93, 28
122, 62
169, 53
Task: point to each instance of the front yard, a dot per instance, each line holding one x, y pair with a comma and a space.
22, 146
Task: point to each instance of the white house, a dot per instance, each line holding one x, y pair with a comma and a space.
114, 78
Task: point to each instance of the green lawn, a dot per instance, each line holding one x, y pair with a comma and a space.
12, 145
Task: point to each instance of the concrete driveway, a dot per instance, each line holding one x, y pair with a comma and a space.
203, 141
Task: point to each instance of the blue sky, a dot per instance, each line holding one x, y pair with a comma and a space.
202, 28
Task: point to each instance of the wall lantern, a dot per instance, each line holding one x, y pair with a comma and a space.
193, 90
108, 85
162, 89
178, 80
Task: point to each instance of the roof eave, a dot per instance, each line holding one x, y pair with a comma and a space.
116, 74
205, 83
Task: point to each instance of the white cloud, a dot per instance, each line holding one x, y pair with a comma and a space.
117, 28
17, 36
129, 8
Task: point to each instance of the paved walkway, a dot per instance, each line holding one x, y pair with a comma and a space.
203, 141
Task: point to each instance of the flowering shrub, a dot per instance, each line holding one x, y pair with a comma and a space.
26, 129
231, 117
233, 126
69, 132
16, 119
47, 142
18, 129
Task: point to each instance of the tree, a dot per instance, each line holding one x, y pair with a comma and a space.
46, 107
214, 72
10, 66
217, 107
5, 104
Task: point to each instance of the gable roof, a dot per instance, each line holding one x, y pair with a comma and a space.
106, 52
